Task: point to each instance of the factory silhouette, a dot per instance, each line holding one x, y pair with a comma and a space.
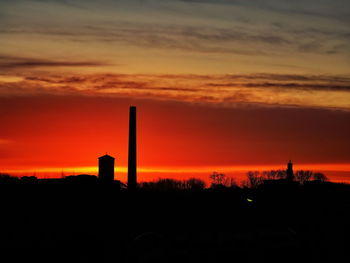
106, 162
85, 218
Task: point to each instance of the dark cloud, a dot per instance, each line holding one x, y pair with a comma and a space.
285, 81
208, 39
58, 79
122, 81
293, 77
334, 9
303, 86
13, 62
263, 35
200, 39
187, 38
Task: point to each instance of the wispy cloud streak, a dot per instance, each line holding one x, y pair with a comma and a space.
206, 36
198, 39
13, 62
225, 90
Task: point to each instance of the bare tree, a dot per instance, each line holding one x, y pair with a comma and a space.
254, 179
165, 184
270, 175
303, 176
274, 174
320, 177
232, 182
281, 174
218, 179
194, 184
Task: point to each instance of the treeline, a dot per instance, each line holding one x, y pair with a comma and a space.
168, 184
256, 178
220, 181
216, 180
4, 177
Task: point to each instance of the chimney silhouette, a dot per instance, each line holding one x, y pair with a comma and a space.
132, 181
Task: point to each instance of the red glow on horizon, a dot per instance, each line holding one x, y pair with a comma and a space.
335, 172
49, 134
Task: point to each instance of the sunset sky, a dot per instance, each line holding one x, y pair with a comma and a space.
220, 85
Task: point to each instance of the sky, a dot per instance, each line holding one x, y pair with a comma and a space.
224, 85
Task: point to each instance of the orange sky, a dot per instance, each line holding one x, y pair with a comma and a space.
47, 134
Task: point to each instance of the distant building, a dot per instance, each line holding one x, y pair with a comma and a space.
290, 174
282, 185
106, 168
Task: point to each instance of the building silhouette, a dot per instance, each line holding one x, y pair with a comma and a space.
106, 168
132, 173
290, 174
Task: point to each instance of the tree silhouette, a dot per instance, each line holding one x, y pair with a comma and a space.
194, 184
29, 179
274, 174
254, 179
303, 176
232, 182
320, 177
167, 184
218, 179
270, 175
4, 177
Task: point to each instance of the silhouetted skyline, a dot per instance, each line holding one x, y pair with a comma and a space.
238, 150
225, 85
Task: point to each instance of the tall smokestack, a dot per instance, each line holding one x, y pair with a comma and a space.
132, 149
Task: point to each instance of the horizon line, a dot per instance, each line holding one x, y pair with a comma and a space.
335, 167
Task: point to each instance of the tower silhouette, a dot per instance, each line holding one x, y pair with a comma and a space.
132, 173
106, 168
290, 174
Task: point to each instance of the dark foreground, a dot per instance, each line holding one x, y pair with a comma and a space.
96, 223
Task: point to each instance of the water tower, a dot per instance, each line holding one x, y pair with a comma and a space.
106, 168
